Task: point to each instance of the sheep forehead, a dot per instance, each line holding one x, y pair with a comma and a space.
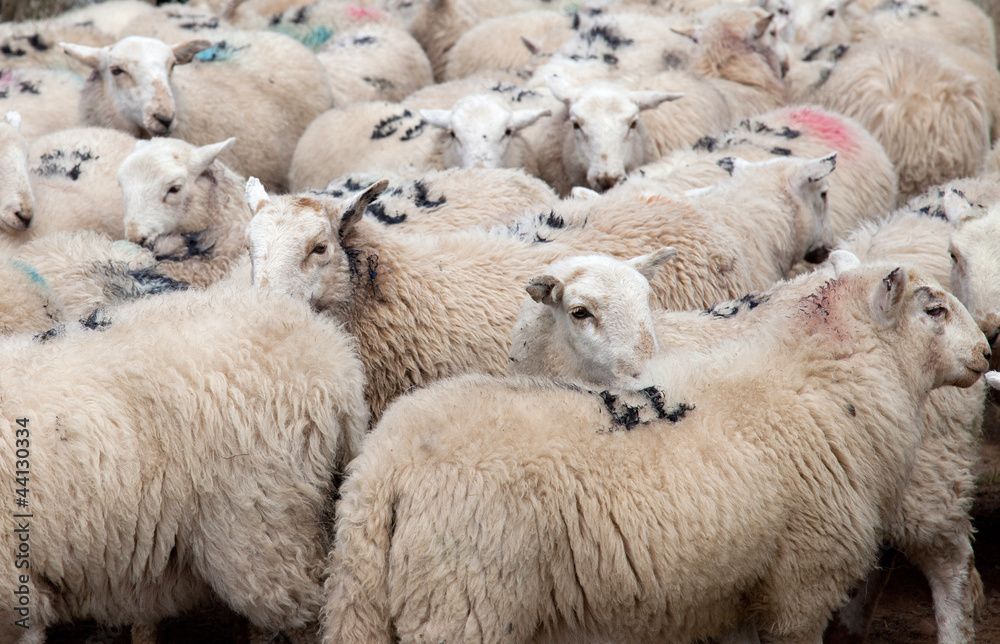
605, 282
159, 161
141, 53
604, 107
287, 223
479, 115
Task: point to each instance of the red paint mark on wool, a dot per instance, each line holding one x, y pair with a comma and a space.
828, 126
364, 13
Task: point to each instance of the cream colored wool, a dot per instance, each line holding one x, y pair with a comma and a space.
47, 99
183, 204
27, 304
196, 461
493, 510
174, 22
863, 187
451, 200
35, 44
17, 202
930, 115
497, 43
374, 62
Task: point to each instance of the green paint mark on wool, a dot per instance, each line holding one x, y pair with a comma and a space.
219, 52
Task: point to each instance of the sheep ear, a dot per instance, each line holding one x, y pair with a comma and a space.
842, 261
760, 27
649, 100
531, 45
698, 192
185, 51
545, 289
140, 144
89, 56
355, 208
694, 33
520, 119
816, 169
13, 119
992, 378
889, 295
203, 157
561, 89
649, 264
437, 118
956, 207
255, 194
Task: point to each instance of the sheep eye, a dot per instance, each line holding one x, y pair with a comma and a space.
508, 132
783, 11
318, 249
954, 260
580, 313
822, 196
831, 13
452, 134
937, 311
576, 126
173, 190
633, 125
117, 71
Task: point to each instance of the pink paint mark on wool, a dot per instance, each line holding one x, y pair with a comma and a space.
7, 79
830, 127
364, 13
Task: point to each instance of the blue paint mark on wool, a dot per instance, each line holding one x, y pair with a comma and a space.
36, 278
219, 52
317, 37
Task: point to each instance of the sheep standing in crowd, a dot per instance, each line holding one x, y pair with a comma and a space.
182, 203
197, 462
476, 479
280, 84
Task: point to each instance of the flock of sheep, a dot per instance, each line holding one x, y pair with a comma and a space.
494, 320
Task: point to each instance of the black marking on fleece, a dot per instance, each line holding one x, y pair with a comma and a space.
377, 210
27, 87
414, 132
420, 199
388, 126
364, 40
517, 94
555, 221
300, 16
729, 309
706, 143
151, 282
608, 34
58, 162
35, 40
96, 321
51, 333
785, 152
838, 52
380, 84
645, 412
672, 60
7, 51
727, 164
627, 417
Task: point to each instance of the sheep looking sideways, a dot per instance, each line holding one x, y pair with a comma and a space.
519, 482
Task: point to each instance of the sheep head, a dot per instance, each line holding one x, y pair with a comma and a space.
480, 130
975, 262
17, 202
606, 138
600, 307
294, 242
135, 75
160, 180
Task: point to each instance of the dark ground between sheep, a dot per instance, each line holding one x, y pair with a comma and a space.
905, 614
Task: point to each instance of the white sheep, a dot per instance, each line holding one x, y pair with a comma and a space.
17, 203
519, 482
214, 389
35, 44
450, 200
481, 131
375, 62
863, 187
885, 86
186, 206
50, 98
280, 86
593, 313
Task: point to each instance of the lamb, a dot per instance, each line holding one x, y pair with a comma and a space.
17, 203
281, 85
186, 206
50, 97
450, 200
416, 302
863, 187
564, 457
885, 85
375, 62
507, 42
230, 389
593, 314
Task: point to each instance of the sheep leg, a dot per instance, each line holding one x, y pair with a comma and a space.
955, 586
143, 634
852, 621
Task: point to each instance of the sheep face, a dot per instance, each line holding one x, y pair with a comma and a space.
600, 307
811, 24
17, 201
135, 75
975, 264
605, 138
295, 247
160, 181
480, 130
911, 313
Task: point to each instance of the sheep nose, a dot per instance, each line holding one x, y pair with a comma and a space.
987, 354
24, 215
165, 121
605, 183
817, 255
